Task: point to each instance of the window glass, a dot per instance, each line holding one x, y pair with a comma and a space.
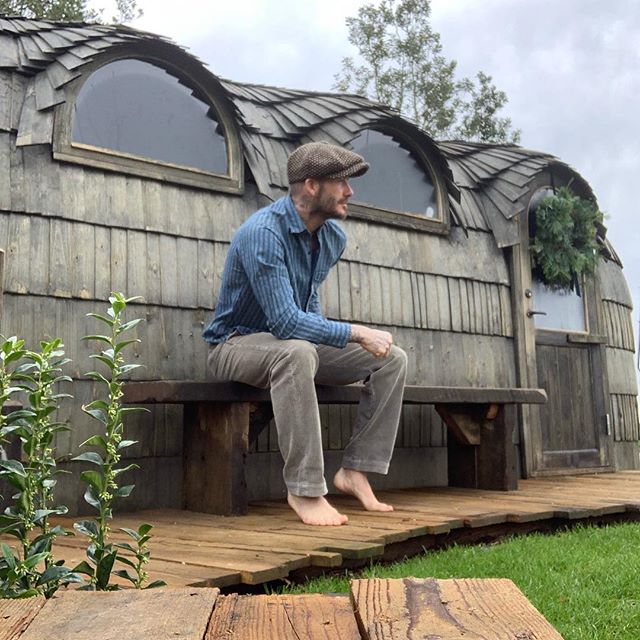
564, 309
137, 108
396, 179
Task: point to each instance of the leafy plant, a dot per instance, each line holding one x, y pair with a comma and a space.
565, 245
141, 554
102, 483
38, 375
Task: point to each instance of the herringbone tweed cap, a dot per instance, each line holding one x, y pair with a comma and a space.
324, 160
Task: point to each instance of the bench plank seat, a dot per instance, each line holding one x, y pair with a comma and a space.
185, 391
221, 419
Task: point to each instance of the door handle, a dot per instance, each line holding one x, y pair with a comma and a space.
532, 313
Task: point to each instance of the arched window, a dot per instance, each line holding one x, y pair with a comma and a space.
133, 115
400, 179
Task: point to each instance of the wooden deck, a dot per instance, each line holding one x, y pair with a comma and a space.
270, 544
376, 609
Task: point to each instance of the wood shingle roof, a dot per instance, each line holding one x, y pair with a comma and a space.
488, 185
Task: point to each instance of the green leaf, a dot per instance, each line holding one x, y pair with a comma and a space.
155, 584
103, 570
130, 325
96, 375
84, 567
94, 479
32, 561
98, 338
53, 574
8, 556
127, 547
129, 467
123, 573
125, 492
40, 514
130, 532
125, 368
90, 456
100, 317
98, 414
91, 497
126, 443
108, 361
14, 467
95, 441
125, 343
144, 529
87, 527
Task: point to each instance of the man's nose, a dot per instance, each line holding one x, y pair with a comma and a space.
348, 190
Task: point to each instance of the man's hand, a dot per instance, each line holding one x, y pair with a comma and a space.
374, 341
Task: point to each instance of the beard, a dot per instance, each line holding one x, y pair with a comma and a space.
330, 206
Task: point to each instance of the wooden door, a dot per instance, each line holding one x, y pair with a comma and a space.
560, 347
573, 424
570, 424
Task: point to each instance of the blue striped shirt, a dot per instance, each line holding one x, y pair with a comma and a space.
271, 279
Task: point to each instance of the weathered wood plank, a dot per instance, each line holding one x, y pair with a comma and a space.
186, 391
124, 615
5, 167
17, 615
284, 617
491, 609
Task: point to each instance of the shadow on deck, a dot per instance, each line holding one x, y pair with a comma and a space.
270, 544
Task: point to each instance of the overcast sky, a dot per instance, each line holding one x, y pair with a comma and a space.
571, 69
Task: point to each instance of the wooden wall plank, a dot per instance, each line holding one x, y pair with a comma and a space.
5, 166
17, 254
619, 365
17, 177
137, 270
206, 274
119, 253
169, 270
364, 291
102, 263
344, 291
153, 292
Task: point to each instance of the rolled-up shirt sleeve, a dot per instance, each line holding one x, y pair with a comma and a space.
264, 260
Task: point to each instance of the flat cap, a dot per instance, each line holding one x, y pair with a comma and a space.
324, 160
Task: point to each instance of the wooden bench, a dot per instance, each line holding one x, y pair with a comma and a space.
221, 419
376, 609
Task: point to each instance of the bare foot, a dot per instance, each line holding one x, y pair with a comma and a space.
315, 511
356, 483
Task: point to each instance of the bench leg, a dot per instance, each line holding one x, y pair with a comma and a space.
215, 444
489, 464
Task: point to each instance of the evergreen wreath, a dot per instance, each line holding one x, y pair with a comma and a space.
564, 246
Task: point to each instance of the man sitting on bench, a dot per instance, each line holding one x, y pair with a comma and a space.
268, 331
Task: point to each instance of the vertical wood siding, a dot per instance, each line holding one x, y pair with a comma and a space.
73, 234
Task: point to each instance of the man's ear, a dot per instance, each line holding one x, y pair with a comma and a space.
312, 186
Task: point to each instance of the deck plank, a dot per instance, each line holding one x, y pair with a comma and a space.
161, 614
285, 617
16, 616
487, 609
270, 543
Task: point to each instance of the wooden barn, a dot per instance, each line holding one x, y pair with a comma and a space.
126, 165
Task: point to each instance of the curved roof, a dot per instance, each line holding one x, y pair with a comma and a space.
488, 184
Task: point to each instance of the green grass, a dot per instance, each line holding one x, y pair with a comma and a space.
586, 581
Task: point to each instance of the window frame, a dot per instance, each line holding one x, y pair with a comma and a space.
398, 218
194, 77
